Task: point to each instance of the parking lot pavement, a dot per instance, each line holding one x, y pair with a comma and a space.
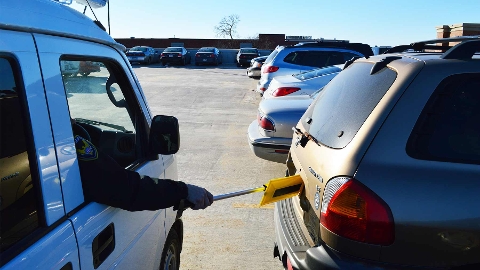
214, 106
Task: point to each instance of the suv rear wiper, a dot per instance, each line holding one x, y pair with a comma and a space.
305, 137
97, 123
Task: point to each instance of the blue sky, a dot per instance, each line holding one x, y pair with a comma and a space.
374, 22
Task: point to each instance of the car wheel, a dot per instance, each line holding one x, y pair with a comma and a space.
184, 62
171, 252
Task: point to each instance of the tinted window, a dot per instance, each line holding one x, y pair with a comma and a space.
346, 102
206, 50
18, 199
318, 58
317, 72
142, 49
173, 50
248, 51
448, 127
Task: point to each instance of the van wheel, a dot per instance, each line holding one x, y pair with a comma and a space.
171, 252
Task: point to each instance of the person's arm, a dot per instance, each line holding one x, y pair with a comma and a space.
105, 181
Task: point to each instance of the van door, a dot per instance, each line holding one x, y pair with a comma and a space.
117, 121
34, 231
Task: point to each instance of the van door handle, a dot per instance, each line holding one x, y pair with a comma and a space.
103, 245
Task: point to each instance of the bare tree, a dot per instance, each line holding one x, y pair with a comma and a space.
227, 27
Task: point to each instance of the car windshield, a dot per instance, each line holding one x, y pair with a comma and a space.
206, 50
142, 49
316, 73
173, 50
248, 51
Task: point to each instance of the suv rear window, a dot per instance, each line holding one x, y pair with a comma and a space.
271, 56
318, 58
316, 73
343, 106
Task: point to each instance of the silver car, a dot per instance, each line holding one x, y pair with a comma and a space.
304, 83
270, 135
288, 60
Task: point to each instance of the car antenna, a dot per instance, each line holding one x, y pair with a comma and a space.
97, 22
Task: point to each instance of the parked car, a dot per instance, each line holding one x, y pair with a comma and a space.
270, 135
287, 60
255, 65
245, 55
143, 54
389, 154
87, 67
304, 83
175, 55
208, 55
46, 222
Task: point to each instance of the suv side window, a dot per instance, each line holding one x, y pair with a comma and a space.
447, 129
318, 58
99, 100
18, 196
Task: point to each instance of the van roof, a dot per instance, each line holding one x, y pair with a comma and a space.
52, 18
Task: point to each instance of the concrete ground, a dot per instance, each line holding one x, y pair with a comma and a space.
214, 106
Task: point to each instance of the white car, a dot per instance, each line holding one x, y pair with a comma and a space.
288, 60
46, 223
304, 83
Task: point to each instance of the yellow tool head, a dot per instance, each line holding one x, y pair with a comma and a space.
282, 188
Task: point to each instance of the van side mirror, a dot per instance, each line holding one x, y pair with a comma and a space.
164, 136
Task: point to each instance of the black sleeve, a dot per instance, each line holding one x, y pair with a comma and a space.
105, 181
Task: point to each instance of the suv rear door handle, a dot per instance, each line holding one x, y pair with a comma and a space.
103, 245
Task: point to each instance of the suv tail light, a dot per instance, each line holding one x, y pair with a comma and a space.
179, 55
265, 123
270, 69
283, 91
197, 55
351, 210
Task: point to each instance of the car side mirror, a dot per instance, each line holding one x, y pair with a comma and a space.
164, 136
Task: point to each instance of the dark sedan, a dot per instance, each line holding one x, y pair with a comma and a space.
245, 55
208, 56
175, 55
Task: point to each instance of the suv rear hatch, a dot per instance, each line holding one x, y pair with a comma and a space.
330, 141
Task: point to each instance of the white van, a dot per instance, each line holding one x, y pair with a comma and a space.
45, 221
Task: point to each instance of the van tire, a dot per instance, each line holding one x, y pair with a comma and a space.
171, 252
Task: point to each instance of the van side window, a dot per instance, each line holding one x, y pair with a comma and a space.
448, 128
98, 100
18, 200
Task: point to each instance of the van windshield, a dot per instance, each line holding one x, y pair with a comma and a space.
345, 103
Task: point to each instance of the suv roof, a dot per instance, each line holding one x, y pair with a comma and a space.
364, 49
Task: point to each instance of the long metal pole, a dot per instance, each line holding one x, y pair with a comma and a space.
238, 193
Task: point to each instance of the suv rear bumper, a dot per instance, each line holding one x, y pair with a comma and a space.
291, 243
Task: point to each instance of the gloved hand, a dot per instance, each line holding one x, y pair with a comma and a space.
199, 197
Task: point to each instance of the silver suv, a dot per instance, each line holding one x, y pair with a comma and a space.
389, 154
288, 60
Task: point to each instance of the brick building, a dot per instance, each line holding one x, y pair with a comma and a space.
264, 41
